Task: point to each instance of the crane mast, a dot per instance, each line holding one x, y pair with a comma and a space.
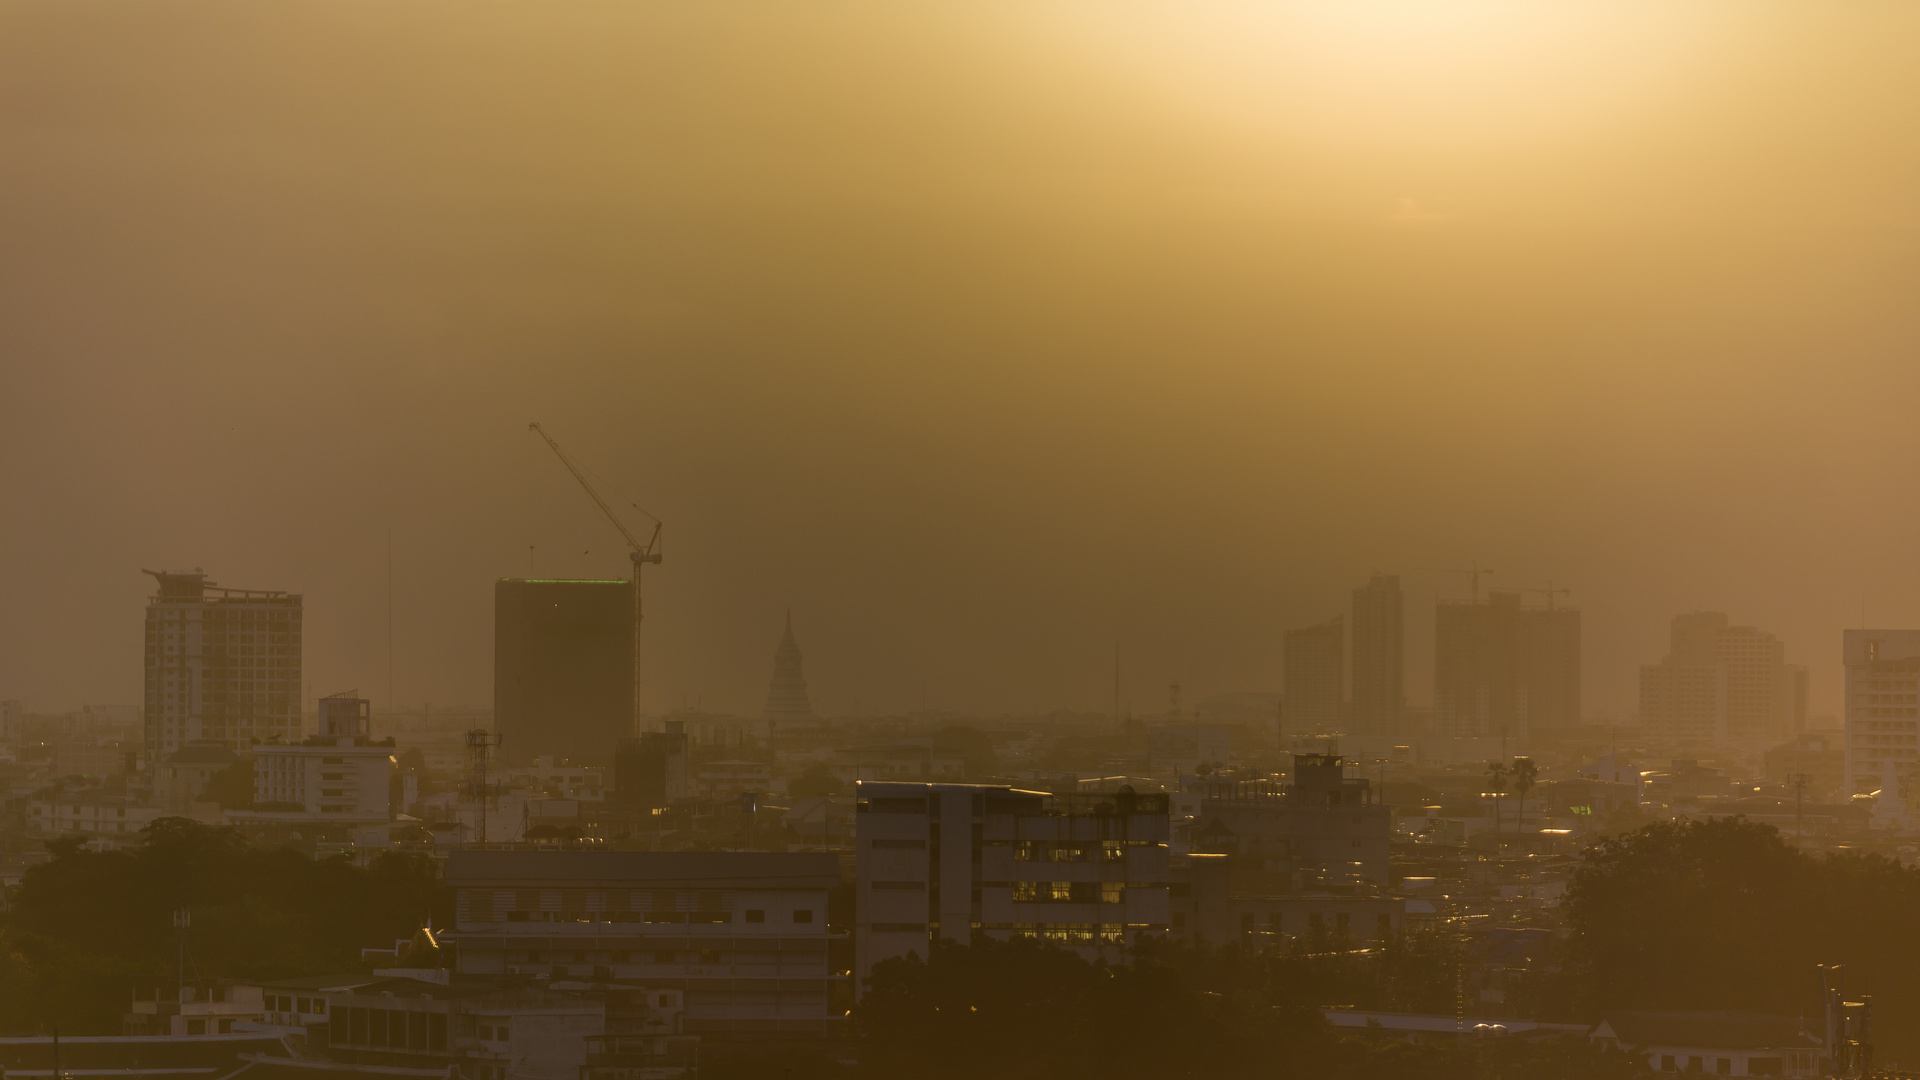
638, 554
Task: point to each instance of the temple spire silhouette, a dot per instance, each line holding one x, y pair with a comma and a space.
787, 705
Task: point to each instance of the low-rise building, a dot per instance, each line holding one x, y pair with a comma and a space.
1716, 1043
88, 812
743, 936
164, 1006
338, 776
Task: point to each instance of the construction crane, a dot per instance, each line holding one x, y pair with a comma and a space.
638, 553
1473, 573
1550, 592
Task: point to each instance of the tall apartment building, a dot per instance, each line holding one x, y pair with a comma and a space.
1721, 684
1503, 669
1476, 668
1882, 705
1549, 669
1378, 662
222, 665
13, 716
339, 775
942, 861
562, 668
1315, 672
739, 937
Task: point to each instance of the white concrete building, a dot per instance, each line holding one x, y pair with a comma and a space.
339, 775
1882, 705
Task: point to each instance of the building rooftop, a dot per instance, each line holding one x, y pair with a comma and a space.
687, 869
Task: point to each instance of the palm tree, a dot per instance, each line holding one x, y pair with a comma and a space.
1496, 786
1525, 775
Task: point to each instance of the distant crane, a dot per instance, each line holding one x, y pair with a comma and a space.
1550, 592
1473, 573
638, 553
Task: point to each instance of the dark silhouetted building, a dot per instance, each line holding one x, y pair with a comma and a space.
1476, 667
1315, 678
562, 668
651, 771
1549, 669
1378, 642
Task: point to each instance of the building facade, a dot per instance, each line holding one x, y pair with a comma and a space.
222, 665
562, 668
1882, 706
742, 935
1379, 637
1476, 668
1721, 685
339, 775
938, 862
1315, 672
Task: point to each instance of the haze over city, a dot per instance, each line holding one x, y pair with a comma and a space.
982, 339
620, 540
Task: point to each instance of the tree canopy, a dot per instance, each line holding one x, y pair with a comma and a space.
83, 925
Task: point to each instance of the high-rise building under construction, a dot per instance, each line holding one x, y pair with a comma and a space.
1378, 662
562, 667
223, 665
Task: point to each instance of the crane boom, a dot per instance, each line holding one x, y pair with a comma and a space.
644, 552
639, 554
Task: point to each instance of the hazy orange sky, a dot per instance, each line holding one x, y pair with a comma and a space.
982, 337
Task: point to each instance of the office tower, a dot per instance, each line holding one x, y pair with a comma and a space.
1883, 705
651, 771
562, 668
788, 711
1476, 687
1721, 684
337, 776
1549, 669
945, 861
223, 665
1315, 678
1378, 638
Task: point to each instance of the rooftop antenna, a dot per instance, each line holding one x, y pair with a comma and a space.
1473, 576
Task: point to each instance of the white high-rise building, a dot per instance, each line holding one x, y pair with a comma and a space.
1883, 705
223, 665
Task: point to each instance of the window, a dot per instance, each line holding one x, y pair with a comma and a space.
921, 844
1110, 892
1763, 1066
900, 886
1723, 1066
1246, 922
1026, 890
756, 915
663, 956
709, 956
803, 915
665, 1001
